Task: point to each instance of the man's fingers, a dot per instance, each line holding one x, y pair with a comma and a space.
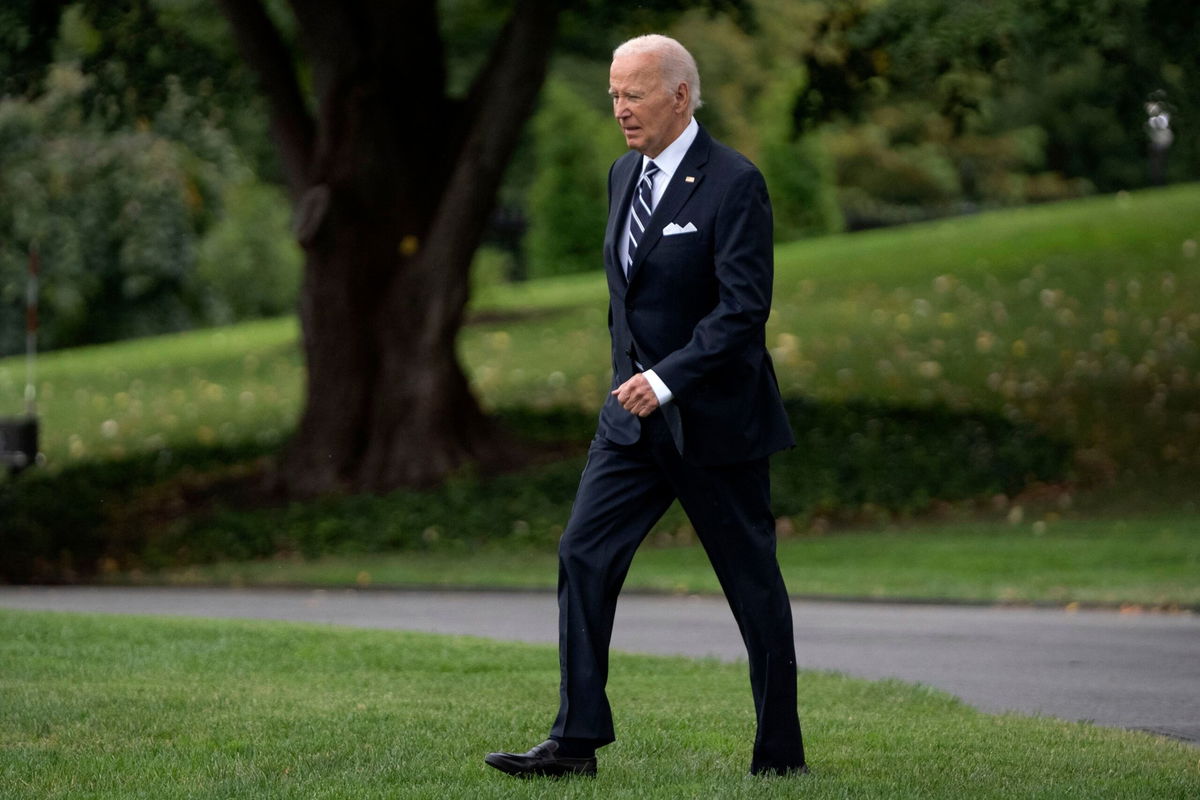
636, 396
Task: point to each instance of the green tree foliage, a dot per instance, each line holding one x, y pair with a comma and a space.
27, 29
116, 217
135, 49
568, 200
119, 218
1084, 72
1027, 100
751, 82
131, 136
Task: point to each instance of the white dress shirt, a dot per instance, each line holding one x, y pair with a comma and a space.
667, 162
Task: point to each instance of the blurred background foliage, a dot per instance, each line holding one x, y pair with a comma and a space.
134, 151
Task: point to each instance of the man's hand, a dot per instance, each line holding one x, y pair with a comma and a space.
636, 396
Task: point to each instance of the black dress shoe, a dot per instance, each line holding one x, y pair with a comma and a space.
543, 760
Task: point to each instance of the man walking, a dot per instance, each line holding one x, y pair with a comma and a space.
693, 414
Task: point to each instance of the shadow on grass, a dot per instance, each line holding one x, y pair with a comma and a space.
193, 505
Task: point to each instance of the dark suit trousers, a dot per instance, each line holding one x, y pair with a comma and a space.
624, 490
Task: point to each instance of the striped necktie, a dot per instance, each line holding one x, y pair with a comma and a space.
639, 214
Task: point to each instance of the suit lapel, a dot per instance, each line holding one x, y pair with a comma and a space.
624, 177
679, 190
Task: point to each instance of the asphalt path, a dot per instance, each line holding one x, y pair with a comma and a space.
1139, 671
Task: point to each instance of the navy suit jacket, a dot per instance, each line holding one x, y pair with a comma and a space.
695, 305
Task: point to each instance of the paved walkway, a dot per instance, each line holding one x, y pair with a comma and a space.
1131, 671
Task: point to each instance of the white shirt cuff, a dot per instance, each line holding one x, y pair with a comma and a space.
660, 389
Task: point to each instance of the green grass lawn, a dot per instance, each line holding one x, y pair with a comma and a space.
228, 385
1146, 562
118, 707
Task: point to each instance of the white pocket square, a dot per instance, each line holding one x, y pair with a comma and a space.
674, 229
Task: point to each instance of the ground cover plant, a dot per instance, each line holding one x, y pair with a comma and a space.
967, 358
119, 707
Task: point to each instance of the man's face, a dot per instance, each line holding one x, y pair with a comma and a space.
650, 116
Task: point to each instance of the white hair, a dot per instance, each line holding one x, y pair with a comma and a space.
675, 62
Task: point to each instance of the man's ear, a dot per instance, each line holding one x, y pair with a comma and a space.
682, 95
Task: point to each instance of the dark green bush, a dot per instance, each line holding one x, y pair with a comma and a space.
190, 506
901, 459
63, 526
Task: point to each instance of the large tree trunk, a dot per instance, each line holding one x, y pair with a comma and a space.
387, 401
393, 183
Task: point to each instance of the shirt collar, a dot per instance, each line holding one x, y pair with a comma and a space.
668, 160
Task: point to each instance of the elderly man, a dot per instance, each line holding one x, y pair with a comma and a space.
693, 414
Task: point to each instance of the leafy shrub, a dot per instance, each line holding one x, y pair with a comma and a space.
802, 197
906, 164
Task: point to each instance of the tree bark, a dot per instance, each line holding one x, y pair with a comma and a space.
393, 182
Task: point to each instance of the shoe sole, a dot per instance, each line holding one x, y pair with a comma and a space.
555, 771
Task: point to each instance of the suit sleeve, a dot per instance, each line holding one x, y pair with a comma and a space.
743, 264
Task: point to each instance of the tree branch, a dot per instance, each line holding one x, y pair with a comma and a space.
496, 71
501, 101
264, 49
406, 45
505, 90
332, 40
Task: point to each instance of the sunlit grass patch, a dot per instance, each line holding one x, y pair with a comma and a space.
219, 386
